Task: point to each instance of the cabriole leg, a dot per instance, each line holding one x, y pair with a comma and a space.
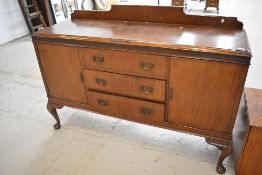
226, 150
51, 107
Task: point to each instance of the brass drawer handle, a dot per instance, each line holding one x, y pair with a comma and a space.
146, 111
98, 59
146, 89
146, 65
100, 81
102, 102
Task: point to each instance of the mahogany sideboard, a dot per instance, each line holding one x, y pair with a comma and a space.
148, 64
247, 135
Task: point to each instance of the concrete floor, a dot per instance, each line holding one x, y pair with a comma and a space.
95, 144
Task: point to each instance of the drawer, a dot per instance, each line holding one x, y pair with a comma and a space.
125, 85
125, 62
177, 2
137, 110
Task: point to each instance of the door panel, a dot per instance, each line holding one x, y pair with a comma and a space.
61, 70
204, 93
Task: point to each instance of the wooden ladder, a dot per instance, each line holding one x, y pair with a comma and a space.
31, 12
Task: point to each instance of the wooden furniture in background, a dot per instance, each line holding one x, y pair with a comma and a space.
30, 12
177, 3
47, 11
212, 3
156, 66
247, 140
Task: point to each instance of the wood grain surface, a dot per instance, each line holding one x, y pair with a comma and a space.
125, 62
254, 105
181, 31
136, 110
208, 89
247, 140
61, 70
157, 14
131, 86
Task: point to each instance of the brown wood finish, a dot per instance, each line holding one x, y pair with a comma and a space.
254, 105
187, 129
169, 15
132, 109
193, 68
153, 66
251, 156
51, 107
247, 140
61, 68
202, 87
132, 86
176, 33
48, 12
226, 150
160, 36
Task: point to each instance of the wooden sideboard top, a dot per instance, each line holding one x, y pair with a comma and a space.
150, 26
254, 105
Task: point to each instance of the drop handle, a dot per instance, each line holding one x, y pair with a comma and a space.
100, 81
146, 65
98, 59
146, 111
102, 102
146, 89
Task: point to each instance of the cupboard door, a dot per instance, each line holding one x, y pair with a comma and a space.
61, 69
203, 93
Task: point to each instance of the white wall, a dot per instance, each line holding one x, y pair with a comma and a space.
12, 23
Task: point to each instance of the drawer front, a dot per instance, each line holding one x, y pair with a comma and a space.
125, 62
177, 2
128, 108
125, 85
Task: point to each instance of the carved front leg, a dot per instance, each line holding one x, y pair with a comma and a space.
226, 150
52, 110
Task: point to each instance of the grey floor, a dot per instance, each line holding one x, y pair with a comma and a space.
94, 144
